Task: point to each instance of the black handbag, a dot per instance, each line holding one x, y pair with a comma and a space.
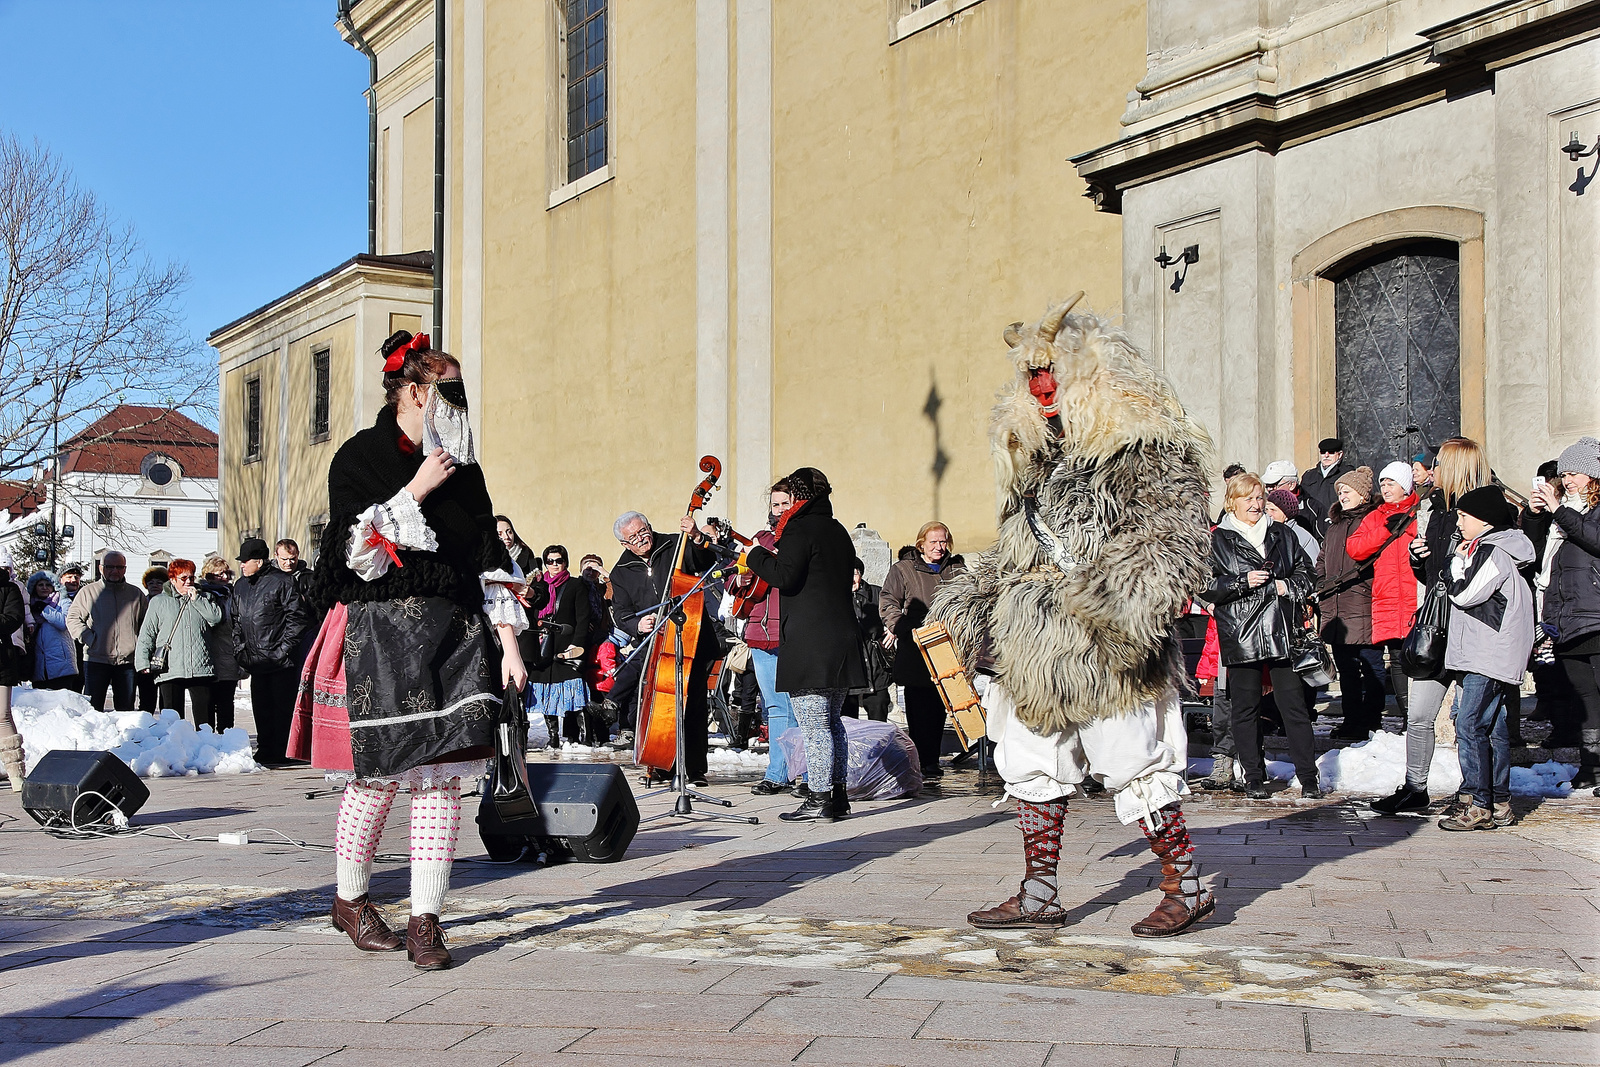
1422, 652
1309, 656
159, 661
512, 798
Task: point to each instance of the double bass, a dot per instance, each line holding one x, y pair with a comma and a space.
655, 740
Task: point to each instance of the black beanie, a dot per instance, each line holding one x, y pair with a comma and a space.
1488, 503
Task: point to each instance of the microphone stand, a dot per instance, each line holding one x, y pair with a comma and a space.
683, 806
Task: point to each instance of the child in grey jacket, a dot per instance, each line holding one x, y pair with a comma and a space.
1490, 638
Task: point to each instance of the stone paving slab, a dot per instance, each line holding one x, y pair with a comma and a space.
1348, 937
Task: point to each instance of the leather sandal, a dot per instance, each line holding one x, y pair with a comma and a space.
365, 925
425, 944
1014, 914
1178, 910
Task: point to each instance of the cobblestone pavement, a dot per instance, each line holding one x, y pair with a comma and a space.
1340, 937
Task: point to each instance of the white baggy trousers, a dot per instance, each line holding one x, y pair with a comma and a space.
1142, 758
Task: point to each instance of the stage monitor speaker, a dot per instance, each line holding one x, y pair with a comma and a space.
60, 790
586, 813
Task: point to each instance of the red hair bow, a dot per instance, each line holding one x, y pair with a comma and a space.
397, 358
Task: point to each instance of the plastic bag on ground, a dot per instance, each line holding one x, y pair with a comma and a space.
881, 764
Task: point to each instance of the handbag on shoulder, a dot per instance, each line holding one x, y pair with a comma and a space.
509, 788
1422, 652
1309, 655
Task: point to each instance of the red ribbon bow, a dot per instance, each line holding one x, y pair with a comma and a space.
397, 358
377, 540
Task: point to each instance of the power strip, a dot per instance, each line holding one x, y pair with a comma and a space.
239, 837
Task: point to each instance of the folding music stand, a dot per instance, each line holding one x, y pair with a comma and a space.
683, 807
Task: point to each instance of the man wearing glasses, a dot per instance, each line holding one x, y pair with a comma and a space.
1317, 488
639, 580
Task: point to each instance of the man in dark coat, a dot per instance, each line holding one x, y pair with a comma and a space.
1318, 491
819, 655
639, 579
270, 623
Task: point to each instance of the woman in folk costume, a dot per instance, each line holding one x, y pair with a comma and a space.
1103, 541
404, 684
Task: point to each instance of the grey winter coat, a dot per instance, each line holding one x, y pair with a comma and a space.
187, 624
1491, 621
105, 618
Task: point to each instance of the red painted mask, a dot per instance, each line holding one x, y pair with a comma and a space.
1042, 384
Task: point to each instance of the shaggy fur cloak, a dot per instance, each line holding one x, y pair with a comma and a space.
1123, 487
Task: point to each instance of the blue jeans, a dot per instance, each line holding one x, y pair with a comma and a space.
98, 677
1483, 740
776, 710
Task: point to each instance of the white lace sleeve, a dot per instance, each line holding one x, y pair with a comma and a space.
398, 521
500, 603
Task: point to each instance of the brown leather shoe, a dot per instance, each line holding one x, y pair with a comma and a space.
425, 944
1174, 915
1012, 914
365, 925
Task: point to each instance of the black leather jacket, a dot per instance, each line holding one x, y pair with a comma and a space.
1254, 624
269, 619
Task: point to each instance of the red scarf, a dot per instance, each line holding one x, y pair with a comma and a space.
783, 520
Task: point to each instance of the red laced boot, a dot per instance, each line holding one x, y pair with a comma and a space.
1186, 901
1036, 903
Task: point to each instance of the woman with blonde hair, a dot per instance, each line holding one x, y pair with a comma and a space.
216, 582
1259, 578
1460, 467
907, 591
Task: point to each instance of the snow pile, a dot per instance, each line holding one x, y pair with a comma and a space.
1549, 779
1378, 766
154, 747
728, 761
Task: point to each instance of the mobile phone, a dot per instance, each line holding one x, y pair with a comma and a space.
1538, 482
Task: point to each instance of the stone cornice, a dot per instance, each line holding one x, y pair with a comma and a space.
335, 285
1459, 56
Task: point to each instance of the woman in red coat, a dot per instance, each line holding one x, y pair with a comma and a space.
1394, 587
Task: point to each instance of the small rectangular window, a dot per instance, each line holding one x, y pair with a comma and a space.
586, 87
211, 520
252, 419
321, 394
314, 542
104, 516
158, 516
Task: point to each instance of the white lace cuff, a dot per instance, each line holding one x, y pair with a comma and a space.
500, 603
398, 522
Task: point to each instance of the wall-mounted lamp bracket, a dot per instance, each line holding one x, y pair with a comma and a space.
1190, 255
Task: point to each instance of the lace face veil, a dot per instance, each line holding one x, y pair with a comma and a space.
444, 421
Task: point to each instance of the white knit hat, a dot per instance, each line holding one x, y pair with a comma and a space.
1581, 457
1278, 470
1399, 473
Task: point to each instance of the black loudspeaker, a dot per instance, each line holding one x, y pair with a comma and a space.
55, 793
586, 813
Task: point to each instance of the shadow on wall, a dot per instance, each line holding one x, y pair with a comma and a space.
941, 458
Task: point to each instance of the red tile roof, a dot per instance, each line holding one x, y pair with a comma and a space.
118, 442
21, 498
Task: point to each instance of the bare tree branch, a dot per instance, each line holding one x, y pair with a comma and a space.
87, 320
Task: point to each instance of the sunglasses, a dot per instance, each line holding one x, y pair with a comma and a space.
553, 561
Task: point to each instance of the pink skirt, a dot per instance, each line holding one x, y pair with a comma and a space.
320, 731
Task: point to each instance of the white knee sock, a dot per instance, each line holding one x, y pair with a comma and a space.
362, 812
435, 826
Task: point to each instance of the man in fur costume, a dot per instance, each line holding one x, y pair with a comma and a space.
1103, 540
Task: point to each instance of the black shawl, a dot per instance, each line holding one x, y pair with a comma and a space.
369, 469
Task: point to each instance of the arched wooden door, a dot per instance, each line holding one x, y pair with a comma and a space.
1397, 350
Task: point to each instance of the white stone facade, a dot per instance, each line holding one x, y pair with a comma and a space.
1284, 139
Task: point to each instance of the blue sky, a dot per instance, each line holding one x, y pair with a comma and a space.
231, 134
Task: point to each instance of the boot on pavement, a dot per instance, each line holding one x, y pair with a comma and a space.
1588, 761
841, 801
1186, 901
1403, 799
11, 760
365, 925
1037, 903
425, 944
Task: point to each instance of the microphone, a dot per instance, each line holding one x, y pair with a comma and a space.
724, 569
